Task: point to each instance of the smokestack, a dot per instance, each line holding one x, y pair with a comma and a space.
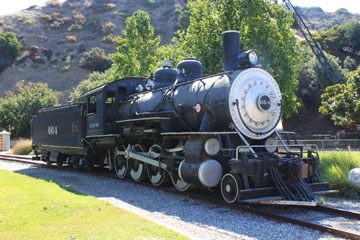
231, 46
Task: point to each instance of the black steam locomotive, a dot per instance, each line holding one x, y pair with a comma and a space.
212, 132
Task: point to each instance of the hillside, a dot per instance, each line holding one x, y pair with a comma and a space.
319, 20
55, 36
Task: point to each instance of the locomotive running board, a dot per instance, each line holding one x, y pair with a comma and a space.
143, 119
290, 203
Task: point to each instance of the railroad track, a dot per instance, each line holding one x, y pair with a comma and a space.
253, 209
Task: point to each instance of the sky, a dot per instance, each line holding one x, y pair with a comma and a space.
353, 6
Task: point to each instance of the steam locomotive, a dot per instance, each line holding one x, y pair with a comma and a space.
215, 132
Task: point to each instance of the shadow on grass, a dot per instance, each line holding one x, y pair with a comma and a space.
33, 172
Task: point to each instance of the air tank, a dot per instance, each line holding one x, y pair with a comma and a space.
189, 69
165, 76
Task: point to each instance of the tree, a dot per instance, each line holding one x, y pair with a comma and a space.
341, 40
96, 60
94, 80
312, 77
18, 108
9, 49
9, 45
136, 51
263, 25
341, 101
349, 64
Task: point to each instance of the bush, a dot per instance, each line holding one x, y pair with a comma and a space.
71, 39
9, 45
22, 148
67, 65
46, 17
96, 60
53, 3
108, 39
108, 28
23, 18
28, 21
110, 6
55, 24
74, 28
334, 168
78, 18
117, 13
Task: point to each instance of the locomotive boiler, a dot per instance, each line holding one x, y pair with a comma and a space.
215, 132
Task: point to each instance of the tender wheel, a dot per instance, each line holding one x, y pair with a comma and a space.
178, 183
121, 164
60, 160
156, 175
59, 163
87, 164
48, 162
46, 158
137, 168
230, 184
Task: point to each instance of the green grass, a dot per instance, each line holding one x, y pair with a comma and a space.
334, 168
31, 208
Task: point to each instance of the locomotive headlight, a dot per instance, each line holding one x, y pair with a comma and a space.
249, 57
212, 146
253, 57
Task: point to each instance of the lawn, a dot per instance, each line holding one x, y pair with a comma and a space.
334, 168
32, 208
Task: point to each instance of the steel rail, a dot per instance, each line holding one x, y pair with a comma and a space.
238, 207
337, 211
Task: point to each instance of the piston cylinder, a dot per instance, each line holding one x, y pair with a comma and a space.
207, 173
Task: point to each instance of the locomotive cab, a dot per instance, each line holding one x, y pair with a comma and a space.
102, 105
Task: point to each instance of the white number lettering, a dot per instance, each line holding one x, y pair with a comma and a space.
52, 130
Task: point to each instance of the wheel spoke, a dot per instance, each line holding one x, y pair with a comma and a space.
121, 165
156, 175
178, 183
137, 168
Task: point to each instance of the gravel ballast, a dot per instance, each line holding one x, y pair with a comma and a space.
191, 217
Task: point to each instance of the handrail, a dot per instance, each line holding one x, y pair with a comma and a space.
277, 145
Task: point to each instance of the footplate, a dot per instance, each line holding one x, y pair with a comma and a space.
270, 195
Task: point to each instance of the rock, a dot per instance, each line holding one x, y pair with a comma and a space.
34, 51
47, 52
354, 177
